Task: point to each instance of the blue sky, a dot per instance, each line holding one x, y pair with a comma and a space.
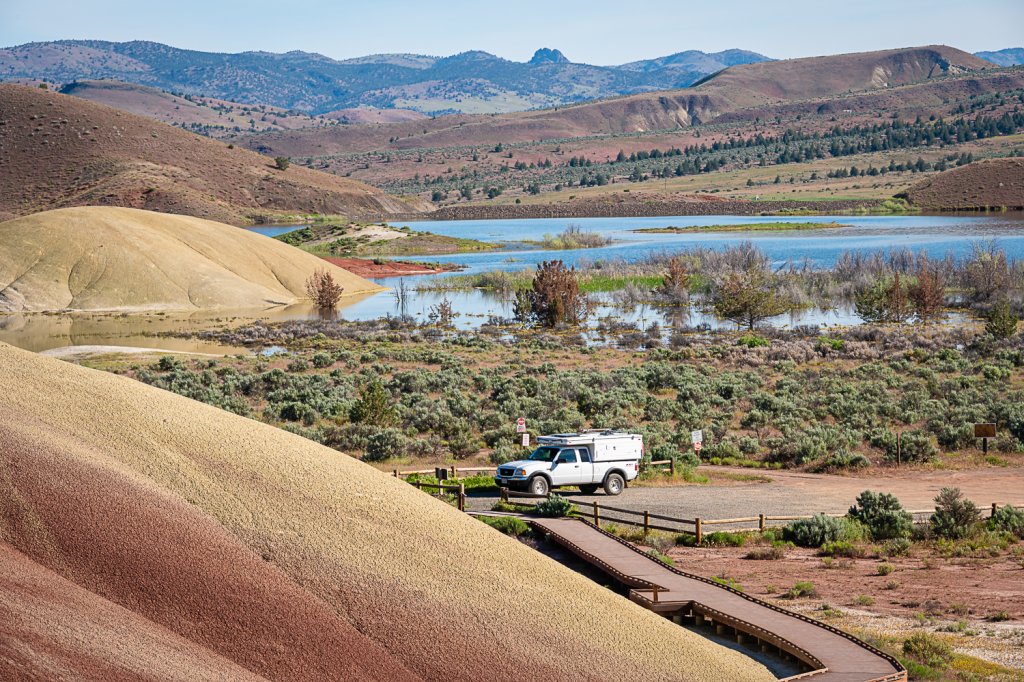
592, 31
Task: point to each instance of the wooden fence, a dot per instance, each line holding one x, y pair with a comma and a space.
458, 490
697, 526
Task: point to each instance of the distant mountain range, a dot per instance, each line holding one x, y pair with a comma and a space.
1011, 56
470, 82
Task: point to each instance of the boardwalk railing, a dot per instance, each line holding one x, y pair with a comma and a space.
598, 512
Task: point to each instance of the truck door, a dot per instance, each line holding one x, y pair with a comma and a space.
586, 466
565, 470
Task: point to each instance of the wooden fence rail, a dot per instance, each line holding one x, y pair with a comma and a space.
598, 512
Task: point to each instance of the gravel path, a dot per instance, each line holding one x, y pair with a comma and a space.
795, 493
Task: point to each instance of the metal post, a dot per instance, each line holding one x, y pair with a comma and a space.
699, 532
647, 522
984, 446
899, 449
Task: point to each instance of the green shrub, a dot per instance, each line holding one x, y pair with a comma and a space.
883, 515
724, 539
385, 444
655, 554
915, 446
506, 452
321, 360
1008, 520
897, 547
843, 548
802, 589
554, 506
928, 649
815, 531
752, 341
885, 569
955, 517
509, 525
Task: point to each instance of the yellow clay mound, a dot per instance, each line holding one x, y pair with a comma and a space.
220, 529
103, 258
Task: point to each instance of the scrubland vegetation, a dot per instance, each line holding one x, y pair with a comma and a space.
393, 390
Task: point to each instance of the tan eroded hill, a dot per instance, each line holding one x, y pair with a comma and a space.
749, 86
106, 258
265, 550
58, 150
993, 183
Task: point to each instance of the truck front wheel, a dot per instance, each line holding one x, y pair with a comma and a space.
539, 485
614, 484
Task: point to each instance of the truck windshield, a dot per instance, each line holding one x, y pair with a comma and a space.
544, 455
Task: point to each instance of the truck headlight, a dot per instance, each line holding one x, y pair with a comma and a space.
520, 472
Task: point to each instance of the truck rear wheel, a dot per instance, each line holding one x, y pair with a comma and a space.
589, 489
614, 484
539, 485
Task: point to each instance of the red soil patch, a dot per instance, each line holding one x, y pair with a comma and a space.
368, 268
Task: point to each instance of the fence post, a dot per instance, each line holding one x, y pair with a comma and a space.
396, 473
672, 466
760, 522
419, 486
995, 506
462, 497
455, 474
699, 532
597, 514
654, 590
647, 522
504, 495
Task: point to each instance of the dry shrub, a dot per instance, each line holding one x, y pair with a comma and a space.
323, 290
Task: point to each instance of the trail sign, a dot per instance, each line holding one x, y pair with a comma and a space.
697, 437
441, 474
526, 440
984, 430
521, 425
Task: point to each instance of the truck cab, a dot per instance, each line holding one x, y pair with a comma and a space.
588, 460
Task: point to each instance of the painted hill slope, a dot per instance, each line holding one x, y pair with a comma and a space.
270, 552
104, 258
57, 150
993, 183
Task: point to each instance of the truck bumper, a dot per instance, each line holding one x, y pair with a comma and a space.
512, 483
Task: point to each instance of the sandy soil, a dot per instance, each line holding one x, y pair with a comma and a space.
104, 258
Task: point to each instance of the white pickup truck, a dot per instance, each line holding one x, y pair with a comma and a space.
590, 460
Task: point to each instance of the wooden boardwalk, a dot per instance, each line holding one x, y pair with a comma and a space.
828, 653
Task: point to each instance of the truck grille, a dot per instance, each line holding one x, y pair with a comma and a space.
506, 471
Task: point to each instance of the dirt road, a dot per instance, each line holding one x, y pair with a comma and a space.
796, 493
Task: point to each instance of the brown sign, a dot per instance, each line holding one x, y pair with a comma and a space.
984, 430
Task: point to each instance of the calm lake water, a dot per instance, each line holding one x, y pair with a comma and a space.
936, 235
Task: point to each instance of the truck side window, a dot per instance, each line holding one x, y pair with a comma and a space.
584, 455
567, 456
